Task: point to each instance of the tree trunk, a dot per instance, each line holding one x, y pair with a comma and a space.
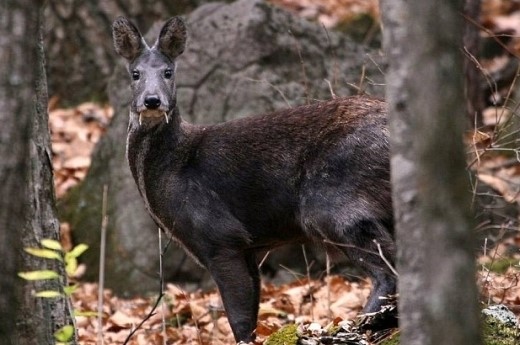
436, 265
17, 20
27, 213
472, 75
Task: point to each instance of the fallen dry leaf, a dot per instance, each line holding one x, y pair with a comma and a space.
74, 134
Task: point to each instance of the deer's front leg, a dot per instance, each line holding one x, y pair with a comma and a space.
237, 277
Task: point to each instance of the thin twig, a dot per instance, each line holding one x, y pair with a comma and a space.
362, 80
150, 314
346, 245
102, 250
296, 275
332, 94
163, 305
159, 298
335, 67
302, 63
491, 34
489, 80
376, 64
329, 311
308, 280
379, 253
263, 259
276, 88
508, 163
385, 259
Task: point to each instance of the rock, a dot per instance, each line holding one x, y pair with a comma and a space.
499, 326
501, 314
249, 57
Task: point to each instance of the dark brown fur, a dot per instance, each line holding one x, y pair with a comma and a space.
318, 172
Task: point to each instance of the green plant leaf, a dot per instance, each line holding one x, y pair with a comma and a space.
71, 265
69, 290
39, 275
85, 313
51, 244
64, 334
44, 253
77, 250
48, 294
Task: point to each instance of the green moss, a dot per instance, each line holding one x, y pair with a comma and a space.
394, 339
286, 335
178, 320
501, 265
496, 333
333, 330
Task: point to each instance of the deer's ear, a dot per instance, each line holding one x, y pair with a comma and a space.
172, 39
128, 41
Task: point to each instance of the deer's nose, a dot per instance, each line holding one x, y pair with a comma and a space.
152, 102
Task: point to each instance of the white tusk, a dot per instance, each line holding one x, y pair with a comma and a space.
140, 119
166, 117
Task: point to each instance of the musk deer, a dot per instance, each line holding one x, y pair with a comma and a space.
316, 173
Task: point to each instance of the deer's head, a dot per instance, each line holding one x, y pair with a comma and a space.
151, 69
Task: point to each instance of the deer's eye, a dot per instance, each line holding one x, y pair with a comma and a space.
168, 73
136, 75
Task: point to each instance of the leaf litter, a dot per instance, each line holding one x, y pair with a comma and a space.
198, 317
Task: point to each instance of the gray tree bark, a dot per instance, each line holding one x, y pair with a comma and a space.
27, 213
472, 75
438, 295
17, 20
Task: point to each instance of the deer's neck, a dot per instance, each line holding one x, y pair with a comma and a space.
155, 149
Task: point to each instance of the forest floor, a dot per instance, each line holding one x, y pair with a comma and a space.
197, 317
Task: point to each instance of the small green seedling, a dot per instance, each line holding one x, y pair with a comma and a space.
53, 250
64, 334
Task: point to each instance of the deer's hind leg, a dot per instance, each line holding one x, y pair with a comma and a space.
365, 238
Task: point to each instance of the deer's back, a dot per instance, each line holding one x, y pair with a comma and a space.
262, 166
287, 143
